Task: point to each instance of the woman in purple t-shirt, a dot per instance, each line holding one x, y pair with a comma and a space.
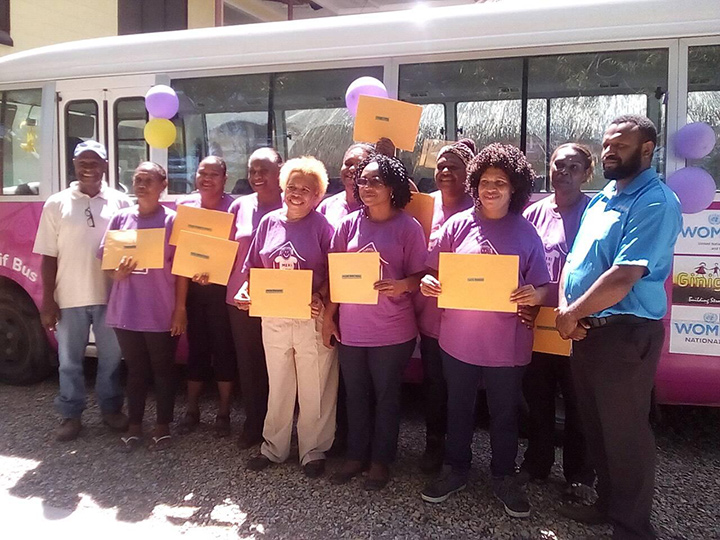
376, 341
147, 310
296, 237
488, 346
557, 220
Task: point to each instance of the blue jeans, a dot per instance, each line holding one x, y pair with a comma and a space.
73, 331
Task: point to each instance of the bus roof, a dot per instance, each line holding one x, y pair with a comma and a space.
506, 25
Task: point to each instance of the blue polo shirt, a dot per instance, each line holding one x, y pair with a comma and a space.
635, 226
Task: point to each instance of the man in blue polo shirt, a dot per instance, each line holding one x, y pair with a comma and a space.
611, 303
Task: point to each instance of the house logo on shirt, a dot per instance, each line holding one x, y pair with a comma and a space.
486, 247
370, 248
553, 259
286, 257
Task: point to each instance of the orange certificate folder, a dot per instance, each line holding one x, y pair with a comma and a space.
352, 276
422, 207
380, 117
478, 282
145, 246
201, 221
546, 338
197, 254
280, 293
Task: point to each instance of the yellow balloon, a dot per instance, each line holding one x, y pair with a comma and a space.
160, 133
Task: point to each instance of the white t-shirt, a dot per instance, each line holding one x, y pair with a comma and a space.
66, 231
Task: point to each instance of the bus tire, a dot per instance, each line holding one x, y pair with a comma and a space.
24, 350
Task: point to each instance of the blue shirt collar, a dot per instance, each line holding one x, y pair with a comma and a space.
639, 182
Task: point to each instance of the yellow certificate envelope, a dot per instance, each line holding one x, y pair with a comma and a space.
197, 254
422, 207
352, 276
280, 293
546, 338
145, 246
201, 221
380, 117
478, 282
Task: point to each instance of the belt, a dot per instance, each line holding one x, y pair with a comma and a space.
598, 322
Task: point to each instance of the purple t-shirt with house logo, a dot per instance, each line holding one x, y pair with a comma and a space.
557, 229
335, 208
144, 301
291, 245
401, 244
486, 338
428, 314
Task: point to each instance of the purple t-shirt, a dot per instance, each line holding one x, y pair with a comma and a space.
557, 229
247, 218
486, 338
194, 199
291, 245
145, 300
428, 314
401, 244
335, 208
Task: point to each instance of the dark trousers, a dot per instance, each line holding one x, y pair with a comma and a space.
544, 375
614, 370
435, 392
368, 372
503, 387
252, 369
211, 353
149, 356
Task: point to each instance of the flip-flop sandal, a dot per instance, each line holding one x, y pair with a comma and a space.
188, 423
157, 444
222, 426
130, 444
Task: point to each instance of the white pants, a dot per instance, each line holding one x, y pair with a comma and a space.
299, 367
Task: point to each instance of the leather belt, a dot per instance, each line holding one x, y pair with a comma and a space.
599, 322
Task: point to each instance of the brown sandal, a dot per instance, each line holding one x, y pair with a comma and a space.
188, 423
158, 444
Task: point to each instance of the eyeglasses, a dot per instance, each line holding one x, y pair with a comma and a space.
89, 217
370, 182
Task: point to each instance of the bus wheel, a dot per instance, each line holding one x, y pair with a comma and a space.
24, 350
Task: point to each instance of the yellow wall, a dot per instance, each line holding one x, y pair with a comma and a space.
35, 23
201, 13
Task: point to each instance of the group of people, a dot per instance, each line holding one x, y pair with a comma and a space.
600, 263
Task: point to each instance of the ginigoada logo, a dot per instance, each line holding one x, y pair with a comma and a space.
713, 231
707, 331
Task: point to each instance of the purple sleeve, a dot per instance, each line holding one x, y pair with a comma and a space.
253, 259
339, 241
443, 245
112, 226
535, 271
415, 249
169, 222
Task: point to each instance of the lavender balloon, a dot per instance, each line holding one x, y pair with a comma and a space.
161, 101
694, 141
694, 187
364, 86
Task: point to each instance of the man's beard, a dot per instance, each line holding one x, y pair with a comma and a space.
623, 169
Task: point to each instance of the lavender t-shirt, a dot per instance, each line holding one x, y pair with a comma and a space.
195, 200
144, 301
557, 229
428, 314
401, 244
485, 338
335, 208
291, 245
248, 213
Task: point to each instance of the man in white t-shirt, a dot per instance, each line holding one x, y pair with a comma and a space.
75, 290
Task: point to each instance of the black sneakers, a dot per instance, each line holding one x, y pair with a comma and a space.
510, 491
446, 484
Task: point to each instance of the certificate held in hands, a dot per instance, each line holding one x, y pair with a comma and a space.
201, 221
145, 246
381, 117
352, 276
280, 293
478, 282
199, 254
422, 208
546, 338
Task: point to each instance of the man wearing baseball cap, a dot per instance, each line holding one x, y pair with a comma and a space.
75, 293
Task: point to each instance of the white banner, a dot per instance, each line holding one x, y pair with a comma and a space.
695, 330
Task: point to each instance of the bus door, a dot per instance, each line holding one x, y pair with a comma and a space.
111, 111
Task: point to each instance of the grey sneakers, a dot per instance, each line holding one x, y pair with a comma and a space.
446, 484
510, 491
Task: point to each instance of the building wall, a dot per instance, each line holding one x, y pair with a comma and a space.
36, 23
201, 13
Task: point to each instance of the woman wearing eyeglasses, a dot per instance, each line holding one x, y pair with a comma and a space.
376, 341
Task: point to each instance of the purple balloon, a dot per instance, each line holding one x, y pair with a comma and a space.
694, 187
161, 101
694, 141
364, 86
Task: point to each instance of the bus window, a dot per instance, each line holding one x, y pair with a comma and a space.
130, 147
573, 97
704, 99
19, 140
222, 116
81, 124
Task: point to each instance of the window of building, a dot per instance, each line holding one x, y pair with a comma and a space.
19, 141
139, 16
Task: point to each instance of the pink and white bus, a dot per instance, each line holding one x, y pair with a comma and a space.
534, 75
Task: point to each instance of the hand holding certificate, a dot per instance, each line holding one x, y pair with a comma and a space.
280, 293
201, 221
353, 276
200, 254
379, 118
145, 246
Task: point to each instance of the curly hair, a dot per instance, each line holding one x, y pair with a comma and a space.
512, 162
308, 166
393, 174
